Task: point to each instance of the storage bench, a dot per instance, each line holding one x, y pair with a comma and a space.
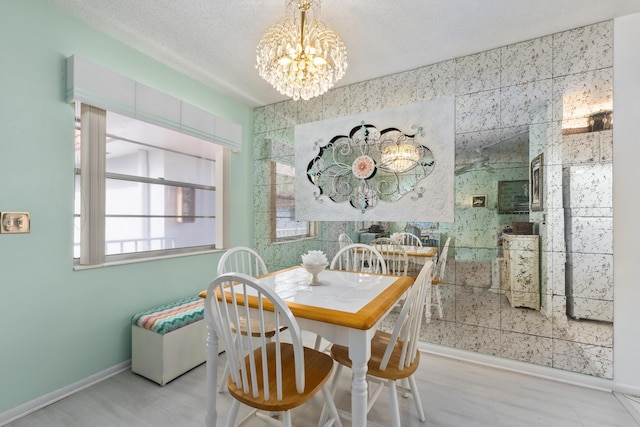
169, 340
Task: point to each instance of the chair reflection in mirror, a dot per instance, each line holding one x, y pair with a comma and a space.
426, 231
413, 229
344, 240
408, 239
437, 279
411, 242
394, 255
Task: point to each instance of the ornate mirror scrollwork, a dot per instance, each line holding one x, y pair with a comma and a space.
369, 165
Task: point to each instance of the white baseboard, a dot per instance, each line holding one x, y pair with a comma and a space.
522, 367
628, 390
42, 401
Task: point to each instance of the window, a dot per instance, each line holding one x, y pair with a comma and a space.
283, 222
141, 190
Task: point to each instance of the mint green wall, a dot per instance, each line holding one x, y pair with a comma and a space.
59, 326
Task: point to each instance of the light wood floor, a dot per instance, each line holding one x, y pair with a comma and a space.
454, 393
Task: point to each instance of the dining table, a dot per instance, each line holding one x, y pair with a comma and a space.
344, 308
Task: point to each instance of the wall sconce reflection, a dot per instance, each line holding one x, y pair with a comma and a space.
602, 120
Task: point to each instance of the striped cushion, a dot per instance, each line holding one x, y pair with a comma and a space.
172, 316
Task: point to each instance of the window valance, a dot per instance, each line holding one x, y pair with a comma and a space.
93, 84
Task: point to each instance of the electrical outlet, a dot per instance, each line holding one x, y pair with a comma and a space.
15, 222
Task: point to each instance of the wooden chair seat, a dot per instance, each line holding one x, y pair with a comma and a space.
318, 368
379, 344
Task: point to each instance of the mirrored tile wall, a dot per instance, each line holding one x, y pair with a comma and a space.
513, 103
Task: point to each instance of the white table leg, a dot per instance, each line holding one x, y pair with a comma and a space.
212, 373
359, 353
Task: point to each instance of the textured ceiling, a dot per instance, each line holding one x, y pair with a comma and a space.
214, 41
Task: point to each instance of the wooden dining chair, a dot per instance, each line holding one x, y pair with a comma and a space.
394, 255
394, 355
359, 257
242, 259
437, 279
275, 376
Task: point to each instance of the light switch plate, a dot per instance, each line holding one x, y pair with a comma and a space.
15, 222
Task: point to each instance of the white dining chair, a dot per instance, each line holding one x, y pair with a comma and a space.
360, 258
394, 355
394, 255
269, 376
242, 259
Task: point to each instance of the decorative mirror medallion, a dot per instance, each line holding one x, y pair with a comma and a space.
387, 165
363, 167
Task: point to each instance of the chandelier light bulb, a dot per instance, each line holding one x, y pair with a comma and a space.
318, 61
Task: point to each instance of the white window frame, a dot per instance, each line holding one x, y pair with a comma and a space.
93, 194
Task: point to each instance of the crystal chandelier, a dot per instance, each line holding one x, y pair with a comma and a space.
301, 57
400, 157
